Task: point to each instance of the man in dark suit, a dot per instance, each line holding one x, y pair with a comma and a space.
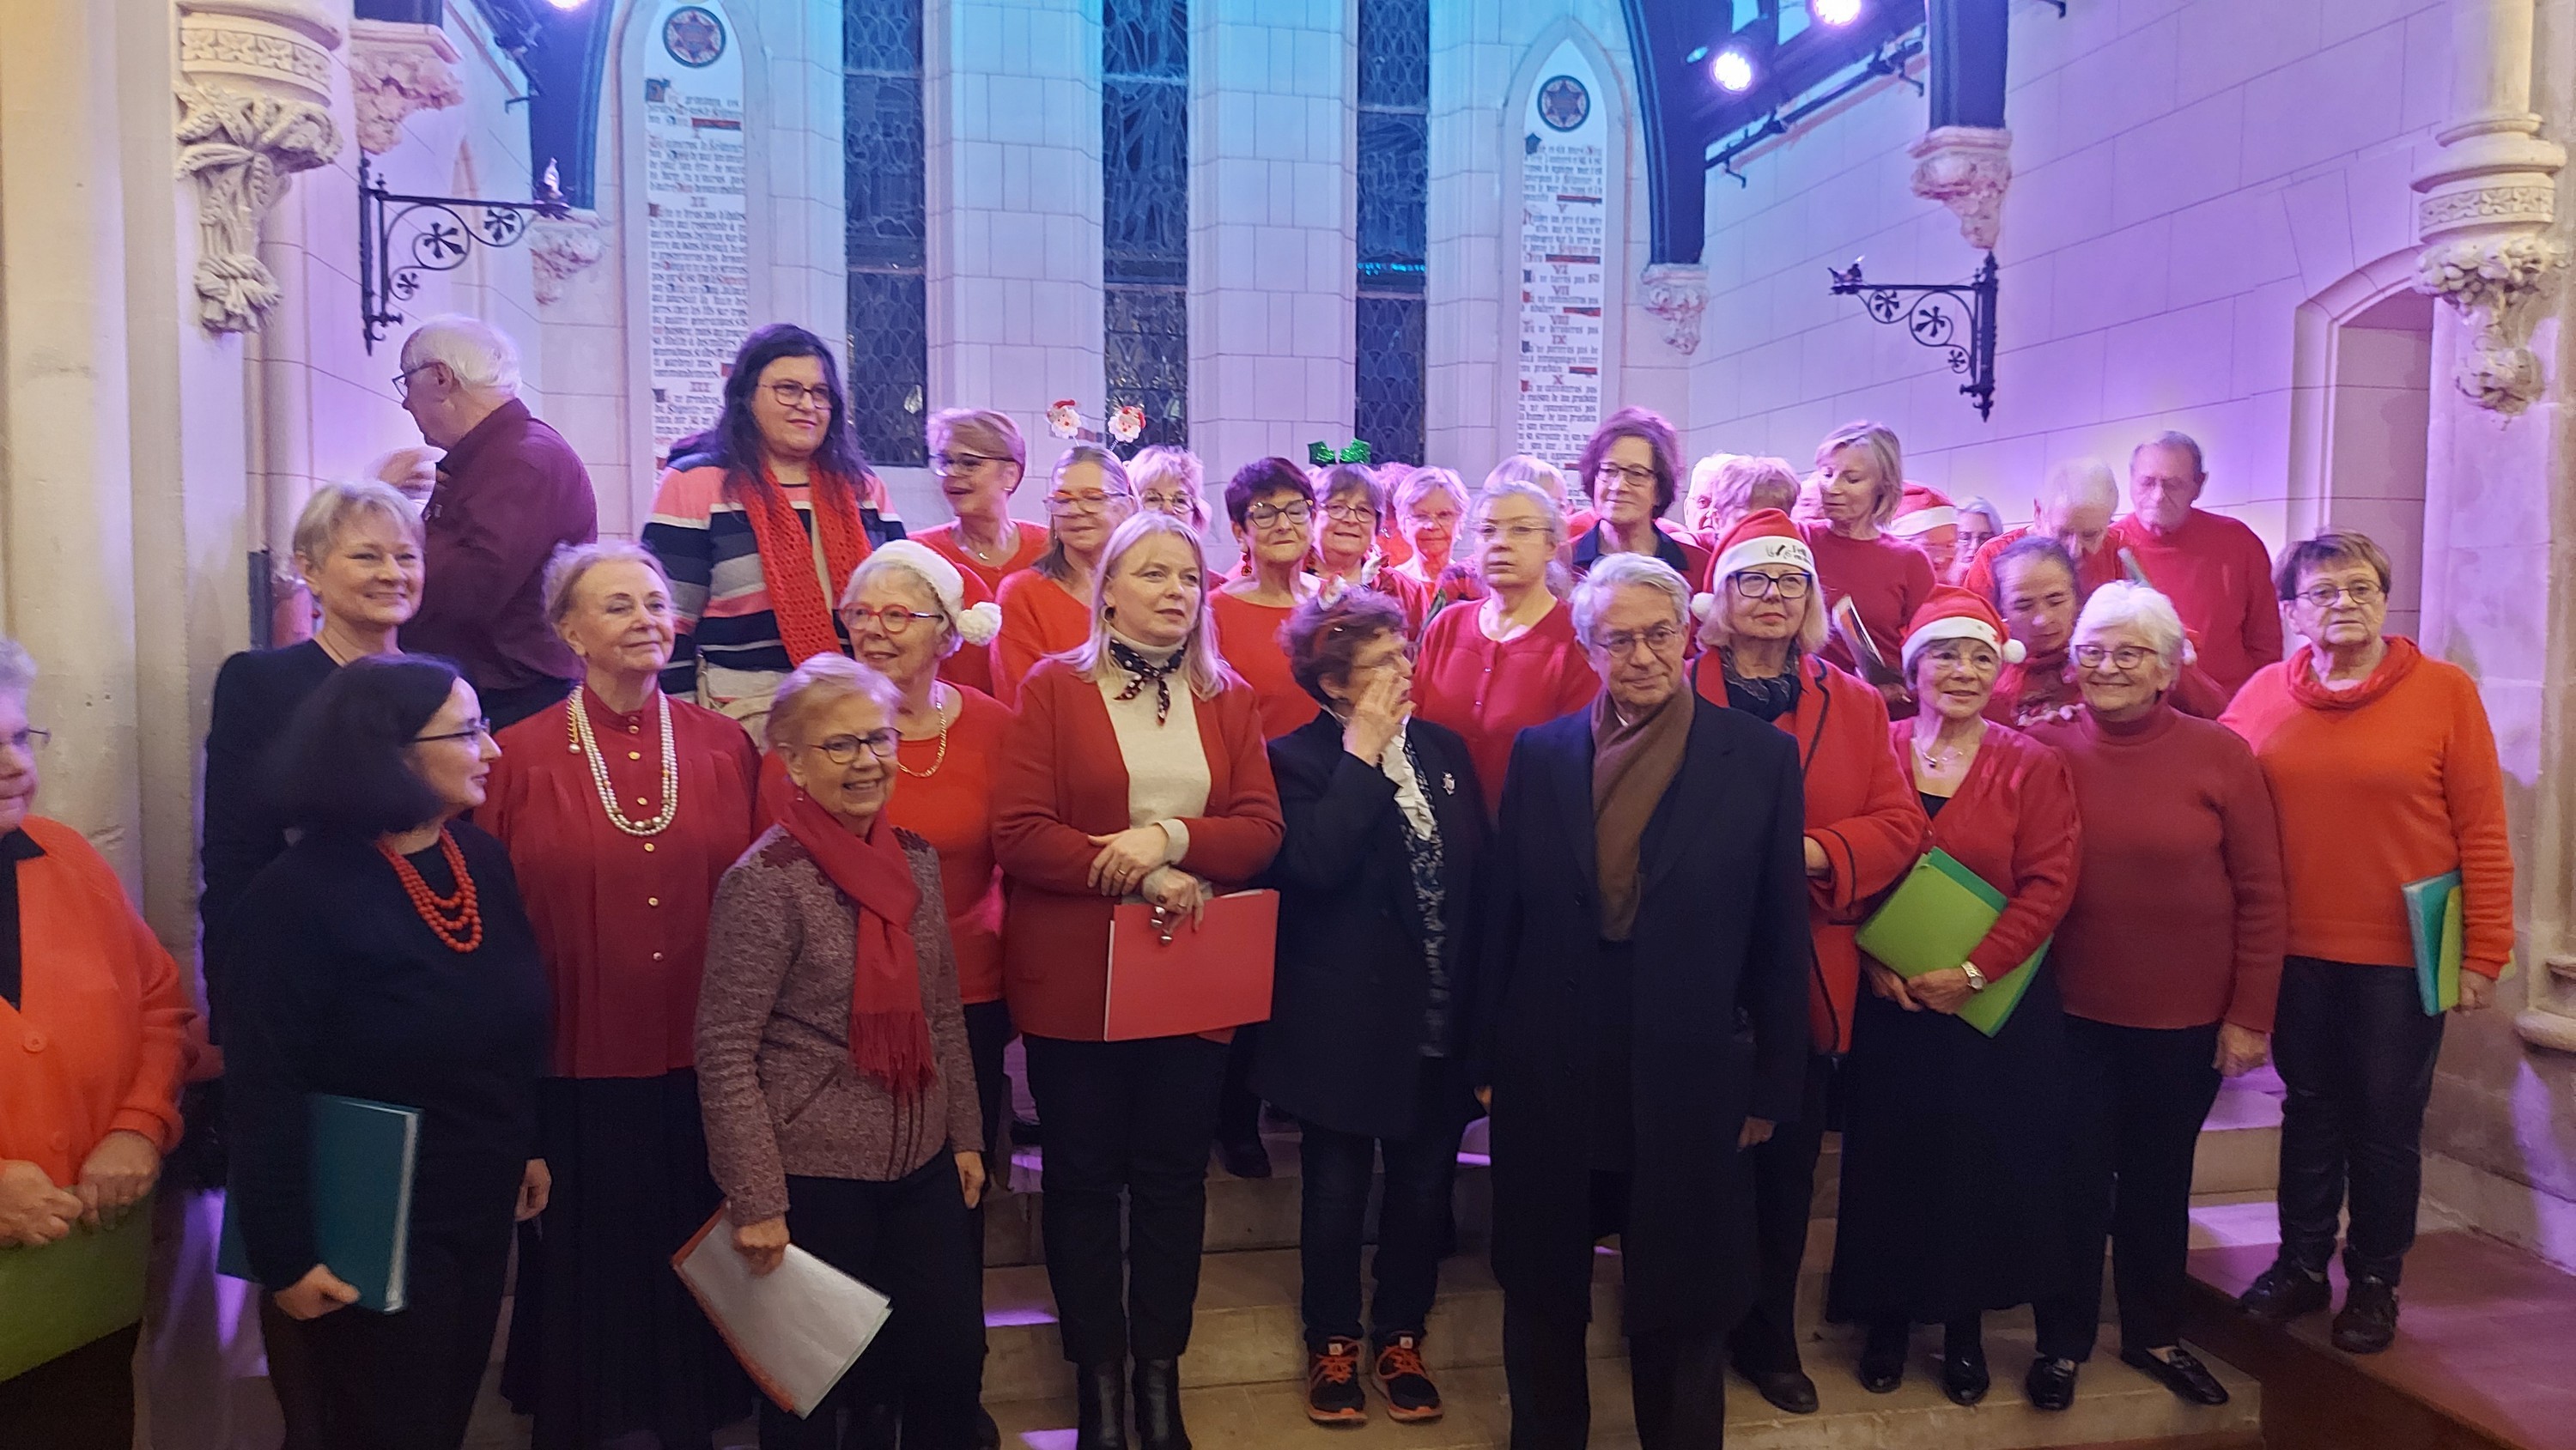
1644, 981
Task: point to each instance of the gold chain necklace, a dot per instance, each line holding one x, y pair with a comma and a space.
579, 714
944, 722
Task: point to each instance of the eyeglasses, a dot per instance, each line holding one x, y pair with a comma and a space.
2327, 596
1658, 638
844, 749
947, 463
1625, 473
28, 739
1178, 505
474, 730
1263, 515
1350, 513
1517, 533
797, 395
2126, 657
1081, 503
1753, 584
402, 380
894, 619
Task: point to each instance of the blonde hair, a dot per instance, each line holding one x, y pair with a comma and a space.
1886, 455
1744, 483
1201, 665
331, 507
1113, 481
1717, 630
572, 561
818, 684
983, 428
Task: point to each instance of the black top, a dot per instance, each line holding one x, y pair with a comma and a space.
340, 987
255, 695
15, 847
1932, 804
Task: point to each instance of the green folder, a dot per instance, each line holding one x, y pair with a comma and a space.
2433, 923
362, 1156
1935, 917
72, 1291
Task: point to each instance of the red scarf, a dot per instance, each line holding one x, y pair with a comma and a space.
796, 596
889, 1036
2310, 691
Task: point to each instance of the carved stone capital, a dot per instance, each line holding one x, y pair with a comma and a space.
241, 146
1676, 294
560, 250
394, 70
279, 46
2497, 283
1967, 169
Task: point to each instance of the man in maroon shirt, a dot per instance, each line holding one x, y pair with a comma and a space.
2214, 569
510, 492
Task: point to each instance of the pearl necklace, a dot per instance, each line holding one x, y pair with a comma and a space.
942, 757
588, 745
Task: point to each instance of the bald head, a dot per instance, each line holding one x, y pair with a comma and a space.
2076, 503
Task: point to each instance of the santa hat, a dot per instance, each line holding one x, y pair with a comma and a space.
1955, 613
977, 624
1764, 536
1921, 511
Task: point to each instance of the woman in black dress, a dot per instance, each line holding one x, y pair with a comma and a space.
385, 956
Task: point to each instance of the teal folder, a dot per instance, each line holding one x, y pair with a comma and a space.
1935, 917
2433, 923
362, 1155
72, 1291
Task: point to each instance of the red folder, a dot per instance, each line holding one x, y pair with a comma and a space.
1177, 979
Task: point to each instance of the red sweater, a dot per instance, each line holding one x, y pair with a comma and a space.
1860, 808
2013, 822
1038, 619
2380, 785
1490, 692
2219, 577
1059, 780
2179, 911
1886, 579
1247, 634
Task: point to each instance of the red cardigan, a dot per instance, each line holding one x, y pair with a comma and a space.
1860, 808
2013, 822
1247, 634
1059, 781
1490, 692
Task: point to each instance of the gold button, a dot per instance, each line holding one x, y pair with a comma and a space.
575, 749
652, 901
634, 729
648, 845
657, 956
635, 755
641, 801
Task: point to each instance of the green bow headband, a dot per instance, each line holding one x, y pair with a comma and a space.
1321, 455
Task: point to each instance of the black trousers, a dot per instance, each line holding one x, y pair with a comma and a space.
404, 1381
1138, 1116
2356, 1051
907, 1239
1412, 1221
1784, 1194
1238, 1113
83, 1400
1677, 1381
2137, 1096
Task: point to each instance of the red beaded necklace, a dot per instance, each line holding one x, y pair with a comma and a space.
456, 920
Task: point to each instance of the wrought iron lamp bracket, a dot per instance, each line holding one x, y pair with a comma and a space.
437, 234
1956, 318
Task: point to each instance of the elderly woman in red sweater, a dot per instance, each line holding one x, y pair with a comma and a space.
1955, 1142
1761, 627
2169, 959
1271, 504
2385, 772
1134, 770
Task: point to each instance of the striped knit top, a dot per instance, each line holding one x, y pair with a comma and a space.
706, 545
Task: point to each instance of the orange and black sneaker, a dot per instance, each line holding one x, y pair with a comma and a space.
1411, 1397
1333, 1393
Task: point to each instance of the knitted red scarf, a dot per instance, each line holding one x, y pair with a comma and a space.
889, 1035
2308, 690
802, 601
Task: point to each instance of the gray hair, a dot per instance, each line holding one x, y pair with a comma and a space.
875, 564
1993, 516
1593, 592
1529, 469
333, 505
1114, 481
2076, 481
17, 669
2180, 443
572, 561
2120, 602
481, 355
819, 683
1425, 481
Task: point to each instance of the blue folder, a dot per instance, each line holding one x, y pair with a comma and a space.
363, 1155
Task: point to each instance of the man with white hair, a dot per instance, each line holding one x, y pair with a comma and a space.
510, 492
2214, 569
2076, 502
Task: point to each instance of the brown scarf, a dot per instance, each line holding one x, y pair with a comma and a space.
801, 601
889, 1035
1632, 767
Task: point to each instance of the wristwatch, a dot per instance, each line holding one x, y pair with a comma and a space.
1976, 979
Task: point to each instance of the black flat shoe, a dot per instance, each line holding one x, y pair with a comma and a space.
1244, 1157
2050, 1383
1882, 1367
1789, 1389
2181, 1373
1158, 1406
2282, 1293
1100, 1408
1963, 1375
2368, 1319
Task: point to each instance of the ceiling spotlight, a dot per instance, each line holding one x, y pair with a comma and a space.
568, 4
1732, 70
1837, 12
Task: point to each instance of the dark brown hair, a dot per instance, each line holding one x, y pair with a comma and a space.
1636, 423
1323, 636
1260, 477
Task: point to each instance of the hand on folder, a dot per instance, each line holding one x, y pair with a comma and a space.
1944, 991
33, 1212
2477, 992
318, 1293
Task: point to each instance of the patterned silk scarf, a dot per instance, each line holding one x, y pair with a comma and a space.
1143, 671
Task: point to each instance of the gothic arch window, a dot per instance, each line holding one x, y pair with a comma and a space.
886, 239
1145, 197
1394, 184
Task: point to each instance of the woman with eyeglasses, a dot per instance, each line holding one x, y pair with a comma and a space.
1272, 507
839, 1090
760, 524
2384, 769
978, 458
1430, 511
1046, 608
1633, 464
385, 956
2169, 959
1171, 481
1350, 505
1954, 1143
1860, 480
1512, 661
620, 809
1760, 632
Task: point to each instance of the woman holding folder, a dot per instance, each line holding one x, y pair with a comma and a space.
2385, 772
1860, 480
1135, 770
1954, 1141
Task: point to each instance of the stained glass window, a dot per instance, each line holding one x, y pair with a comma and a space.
1145, 206
1394, 191
886, 239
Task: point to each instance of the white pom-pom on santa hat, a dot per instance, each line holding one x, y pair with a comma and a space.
1703, 607
981, 623
977, 625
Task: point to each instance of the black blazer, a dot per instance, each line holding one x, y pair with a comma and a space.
1719, 966
1343, 1046
255, 695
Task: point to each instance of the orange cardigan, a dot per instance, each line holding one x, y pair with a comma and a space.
1059, 781
2391, 782
99, 1040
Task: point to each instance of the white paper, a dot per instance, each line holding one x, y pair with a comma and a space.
798, 1329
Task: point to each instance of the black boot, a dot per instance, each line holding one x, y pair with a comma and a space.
1100, 1408
1158, 1406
